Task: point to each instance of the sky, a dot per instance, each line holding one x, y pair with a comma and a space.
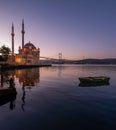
76, 28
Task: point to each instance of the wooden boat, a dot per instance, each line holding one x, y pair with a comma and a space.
7, 91
6, 99
94, 81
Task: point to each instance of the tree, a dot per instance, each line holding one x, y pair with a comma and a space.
5, 51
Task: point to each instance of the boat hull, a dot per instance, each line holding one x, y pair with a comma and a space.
7, 92
7, 95
94, 81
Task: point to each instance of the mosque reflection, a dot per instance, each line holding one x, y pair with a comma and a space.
28, 78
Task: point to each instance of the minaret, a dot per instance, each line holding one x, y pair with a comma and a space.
23, 32
12, 34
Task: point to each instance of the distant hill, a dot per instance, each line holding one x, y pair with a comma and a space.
84, 61
96, 61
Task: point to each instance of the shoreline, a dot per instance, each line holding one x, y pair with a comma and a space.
20, 66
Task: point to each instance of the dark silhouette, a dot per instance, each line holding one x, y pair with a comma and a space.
11, 81
1, 80
12, 104
23, 98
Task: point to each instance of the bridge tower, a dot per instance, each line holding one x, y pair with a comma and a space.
60, 57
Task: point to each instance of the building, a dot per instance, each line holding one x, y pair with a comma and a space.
27, 54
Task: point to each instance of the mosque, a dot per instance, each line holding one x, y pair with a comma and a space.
28, 54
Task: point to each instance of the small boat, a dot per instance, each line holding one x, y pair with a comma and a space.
94, 81
7, 91
8, 95
6, 99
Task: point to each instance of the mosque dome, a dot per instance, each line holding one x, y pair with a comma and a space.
29, 45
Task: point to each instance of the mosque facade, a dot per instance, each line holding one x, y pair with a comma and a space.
27, 54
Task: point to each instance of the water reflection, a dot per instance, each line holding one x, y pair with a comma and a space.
3, 77
23, 98
12, 102
94, 84
28, 78
7, 89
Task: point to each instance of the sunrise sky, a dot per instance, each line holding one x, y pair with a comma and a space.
75, 28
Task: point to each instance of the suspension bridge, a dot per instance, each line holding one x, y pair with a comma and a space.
52, 59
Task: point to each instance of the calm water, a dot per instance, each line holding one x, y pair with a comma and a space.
50, 99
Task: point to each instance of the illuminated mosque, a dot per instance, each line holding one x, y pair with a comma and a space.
27, 54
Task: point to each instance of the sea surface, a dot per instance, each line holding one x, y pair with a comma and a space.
50, 98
